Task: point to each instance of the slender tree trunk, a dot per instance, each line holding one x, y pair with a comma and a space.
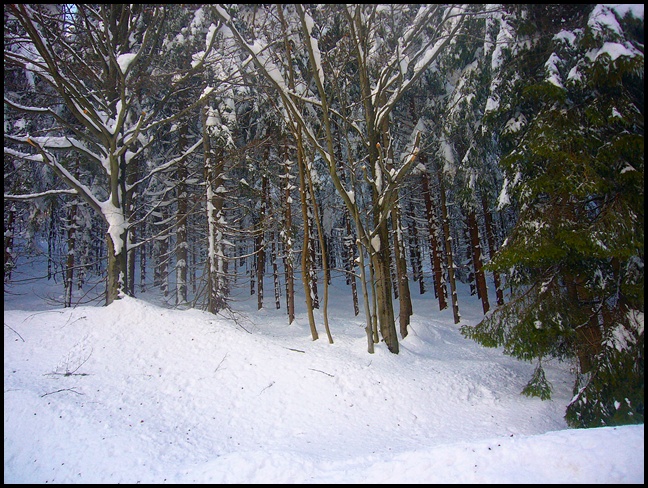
51, 242
286, 233
448, 248
71, 246
490, 239
415, 252
181, 220
306, 252
9, 242
301, 165
369, 330
214, 162
161, 258
143, 262
320, 233
405, 300
72, 226
470, 265
130, 213
275, 270
435, 253
312, 244
477, 260
259, 243
349, 263
131, 258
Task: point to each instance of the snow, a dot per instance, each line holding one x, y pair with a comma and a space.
124, 61
375, 243
116, 224
614, 50
139, 393
551, 66
503, 198
567, 36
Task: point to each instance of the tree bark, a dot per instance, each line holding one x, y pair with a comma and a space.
440, 288
71, 245
306, 252
380, 259
490, 239
415, 253
475, 246
448, 248
214, 162
181, 220
287, 237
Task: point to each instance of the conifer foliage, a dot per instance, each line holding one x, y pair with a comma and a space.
575, 257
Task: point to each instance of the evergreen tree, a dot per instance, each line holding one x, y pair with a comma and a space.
575, 257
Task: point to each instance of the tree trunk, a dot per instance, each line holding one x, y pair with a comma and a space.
306, 265
214, 162
161, 258
475, 245
404, 300
349, 263
275, 270
320, 233
71, 245
287, 237
181, 220
469, 263
435, 253
415, 253
117, 269
380, 260
259, 243
448, 248
8, 243
143, 256
490, 239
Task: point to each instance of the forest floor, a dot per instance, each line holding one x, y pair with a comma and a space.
139, 392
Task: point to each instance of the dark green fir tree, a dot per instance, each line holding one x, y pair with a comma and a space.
575, 171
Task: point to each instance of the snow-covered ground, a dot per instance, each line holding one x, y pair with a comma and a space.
141, 393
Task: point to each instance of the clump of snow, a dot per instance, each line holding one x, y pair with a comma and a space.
116, 224
551, 66
614, 50
375, 243
125, 60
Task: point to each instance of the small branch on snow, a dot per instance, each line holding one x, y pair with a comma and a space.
323, 372
62, 389
271, 383
8, 326
221, 362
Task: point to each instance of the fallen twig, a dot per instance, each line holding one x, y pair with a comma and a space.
21, 337
323, 372
62, 389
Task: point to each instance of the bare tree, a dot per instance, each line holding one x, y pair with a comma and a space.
96, 62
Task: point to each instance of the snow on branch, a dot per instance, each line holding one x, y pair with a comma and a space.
167, 165
33, 196
452, 22
50, 160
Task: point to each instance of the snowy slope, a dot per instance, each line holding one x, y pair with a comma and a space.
135, 392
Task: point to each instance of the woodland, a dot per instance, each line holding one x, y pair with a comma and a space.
210, 150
